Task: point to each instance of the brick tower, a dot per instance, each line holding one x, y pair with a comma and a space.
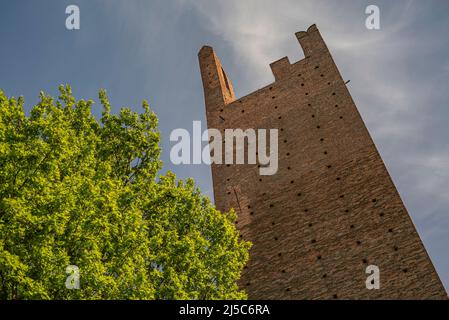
331, 209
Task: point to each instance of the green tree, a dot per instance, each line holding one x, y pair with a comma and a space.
77, 191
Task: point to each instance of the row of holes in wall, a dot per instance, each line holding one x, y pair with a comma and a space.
314, 241
274, 97
282, 129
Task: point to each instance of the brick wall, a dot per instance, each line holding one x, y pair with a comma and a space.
332, 209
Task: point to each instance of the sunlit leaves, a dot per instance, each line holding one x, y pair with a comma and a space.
78, 191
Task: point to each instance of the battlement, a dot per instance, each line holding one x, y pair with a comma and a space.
312, 45
218, 87
215, 80
281, 68
311, 42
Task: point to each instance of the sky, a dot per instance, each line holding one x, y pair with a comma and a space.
139, 49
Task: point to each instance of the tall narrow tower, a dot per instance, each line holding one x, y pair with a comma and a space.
331, 210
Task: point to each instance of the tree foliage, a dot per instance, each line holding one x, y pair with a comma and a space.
77, 191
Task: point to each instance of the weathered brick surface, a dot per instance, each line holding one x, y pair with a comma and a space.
332, 209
